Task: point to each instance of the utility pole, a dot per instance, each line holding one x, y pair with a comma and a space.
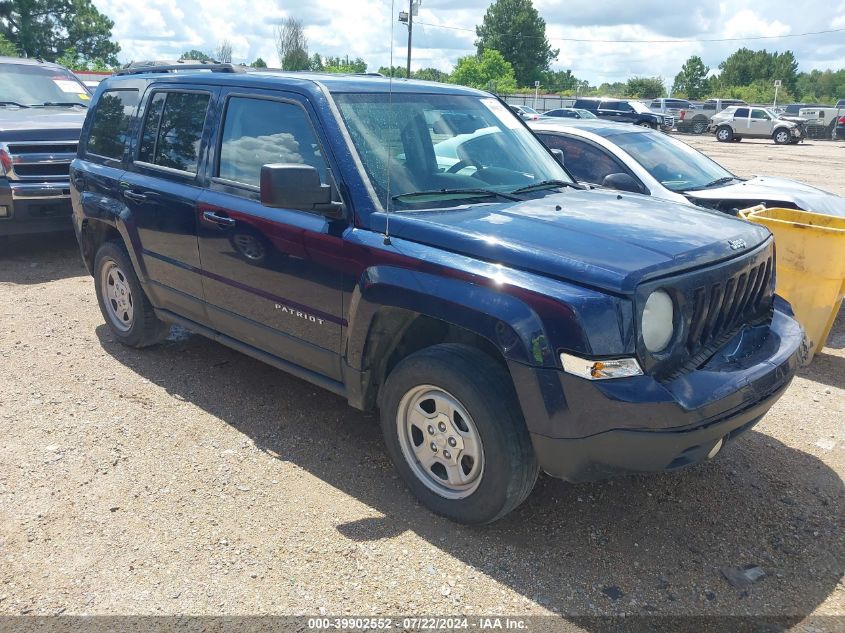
408, 18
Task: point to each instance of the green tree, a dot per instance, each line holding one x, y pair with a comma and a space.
292, 45
645, 87
745, 66
431, 74
316, 63
7, 49
487, 71
515, 29
48, 28
344, 65
259, 63
559, 81
195, 55
692, 80
398, 72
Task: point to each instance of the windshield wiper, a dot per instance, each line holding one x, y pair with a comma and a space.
63, 104
715, 183
13, 103
547, 184
470, 193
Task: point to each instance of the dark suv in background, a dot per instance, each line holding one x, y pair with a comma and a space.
42, 108
413, 247
625, 111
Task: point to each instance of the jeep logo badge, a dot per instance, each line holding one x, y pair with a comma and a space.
737, 244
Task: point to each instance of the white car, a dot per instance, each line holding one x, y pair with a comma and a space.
639, 160
736, 122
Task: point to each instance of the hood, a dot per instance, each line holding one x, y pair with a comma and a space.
775, 191
594, 238
30, 124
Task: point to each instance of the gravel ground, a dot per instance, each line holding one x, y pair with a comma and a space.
190, 479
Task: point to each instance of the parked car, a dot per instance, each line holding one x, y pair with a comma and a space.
714, 106
737, 122
42, 107
697, 119
678, 109
570, 113
839, 129
658, 165
625, 111
794, 109
502, 318
526, 112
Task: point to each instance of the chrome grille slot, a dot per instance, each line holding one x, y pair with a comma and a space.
39, 160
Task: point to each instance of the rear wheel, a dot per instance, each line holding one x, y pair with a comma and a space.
125, 307
781, 136
454, 430
724, 134
699, 126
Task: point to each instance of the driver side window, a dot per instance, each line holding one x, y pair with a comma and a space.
583, 160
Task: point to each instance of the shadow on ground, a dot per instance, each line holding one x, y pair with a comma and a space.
36, 259
639, 545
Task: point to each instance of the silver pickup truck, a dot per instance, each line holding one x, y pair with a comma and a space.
824, 116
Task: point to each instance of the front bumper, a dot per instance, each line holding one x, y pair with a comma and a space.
584, 430
35, 207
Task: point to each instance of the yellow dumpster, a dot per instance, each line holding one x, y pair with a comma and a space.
810, 266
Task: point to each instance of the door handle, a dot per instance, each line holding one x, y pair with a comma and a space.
223, 221
129, 194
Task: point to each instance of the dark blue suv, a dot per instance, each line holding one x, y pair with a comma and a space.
414, 248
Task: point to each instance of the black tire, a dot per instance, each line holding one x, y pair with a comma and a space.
144, 328
781, 136
699, 125
724, 134
736, 139
484, 389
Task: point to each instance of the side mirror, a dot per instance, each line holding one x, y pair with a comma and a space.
621, 182
295, 186
558, 154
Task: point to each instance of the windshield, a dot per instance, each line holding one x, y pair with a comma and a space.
29, 85
675, 164
586, 114
529, 110
443, 144
639, 107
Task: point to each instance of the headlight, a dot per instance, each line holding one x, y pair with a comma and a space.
658, 321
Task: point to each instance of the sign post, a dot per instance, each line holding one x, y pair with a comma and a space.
777, 85
536, 91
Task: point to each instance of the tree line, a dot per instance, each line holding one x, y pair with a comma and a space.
512, 53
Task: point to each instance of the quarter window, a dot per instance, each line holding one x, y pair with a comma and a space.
173, 130
110, 127
259, 132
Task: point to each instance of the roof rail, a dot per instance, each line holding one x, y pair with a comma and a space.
138, 68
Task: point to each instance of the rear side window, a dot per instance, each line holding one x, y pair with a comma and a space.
173, 130
258, 132
741, 113
110, 127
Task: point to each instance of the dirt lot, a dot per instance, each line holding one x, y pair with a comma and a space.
191, 479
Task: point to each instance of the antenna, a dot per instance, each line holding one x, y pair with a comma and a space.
390, 114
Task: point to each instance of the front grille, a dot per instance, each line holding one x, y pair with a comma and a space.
718, 309
669, 121
40, 161
712, 305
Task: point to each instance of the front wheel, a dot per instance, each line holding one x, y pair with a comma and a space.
125, 307
724, 134
781, 136
699, 126
455, 432
647, 124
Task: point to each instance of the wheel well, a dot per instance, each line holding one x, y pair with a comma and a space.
93, 235
398, 333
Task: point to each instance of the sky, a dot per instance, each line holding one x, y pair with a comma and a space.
163, 29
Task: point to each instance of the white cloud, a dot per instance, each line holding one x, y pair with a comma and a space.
163, 29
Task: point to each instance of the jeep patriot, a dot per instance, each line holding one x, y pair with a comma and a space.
412, 247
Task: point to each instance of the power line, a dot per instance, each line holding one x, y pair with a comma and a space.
689, 41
